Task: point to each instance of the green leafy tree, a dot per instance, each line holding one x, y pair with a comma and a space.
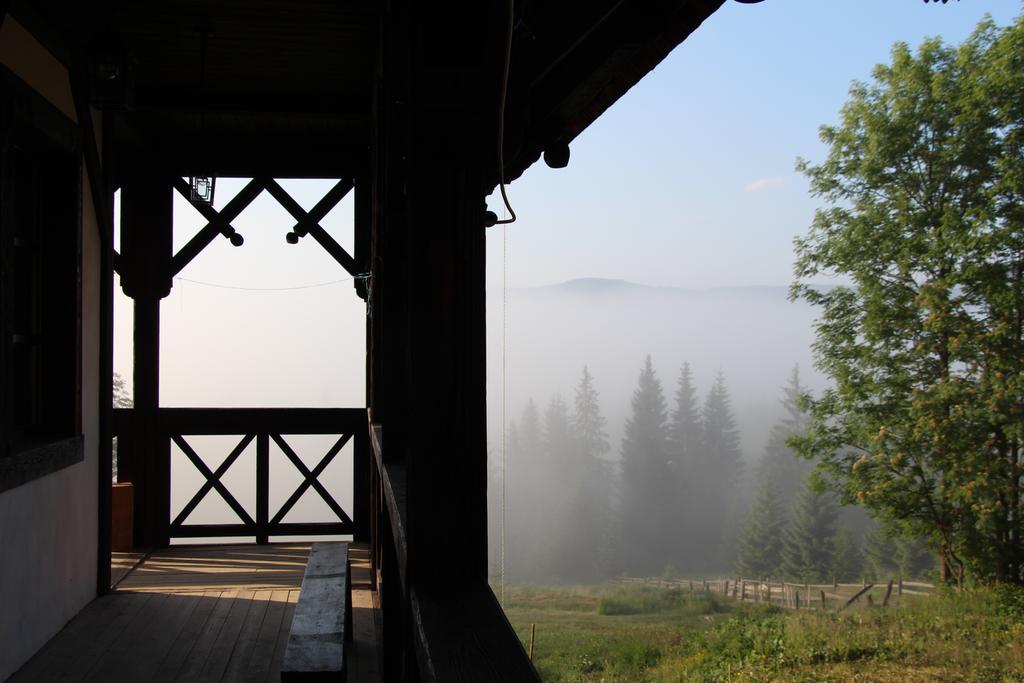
759, 547
646, 482
808, 549
924, 225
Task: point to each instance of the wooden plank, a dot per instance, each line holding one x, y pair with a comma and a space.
192, 663
70, 641
108, 666
227, 639
262, 655
274, 674
175, 657
92, 649
199, 421
248, 636
316, 642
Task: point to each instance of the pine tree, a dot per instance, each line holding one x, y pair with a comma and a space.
588, 539
527, 491
646, 483
713, 482
684, 431
847, 563
789, 470
760, 540
559, 487
809, 546
684, 442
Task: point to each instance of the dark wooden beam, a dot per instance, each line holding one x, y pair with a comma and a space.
146, 220
219, 221
308, 222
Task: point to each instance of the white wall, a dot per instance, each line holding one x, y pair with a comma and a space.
48, 527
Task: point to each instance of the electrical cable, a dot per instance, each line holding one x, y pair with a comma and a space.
501, 116
263, 289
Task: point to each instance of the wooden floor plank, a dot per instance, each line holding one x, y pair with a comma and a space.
69, 642
262, 655
183, 644
109, 667
196, 660
247, 637
274, 673
94, 648
151, 643
224, 645
210, 613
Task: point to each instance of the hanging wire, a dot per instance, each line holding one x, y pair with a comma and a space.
501, 116
361, 276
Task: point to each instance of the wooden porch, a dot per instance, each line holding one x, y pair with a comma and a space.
202, 613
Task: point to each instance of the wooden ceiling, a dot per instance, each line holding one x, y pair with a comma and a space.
293, 80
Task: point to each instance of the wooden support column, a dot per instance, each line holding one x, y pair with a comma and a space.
146, 250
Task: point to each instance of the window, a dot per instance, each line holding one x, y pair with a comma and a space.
40, 257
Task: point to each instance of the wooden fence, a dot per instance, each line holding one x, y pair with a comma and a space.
789, 595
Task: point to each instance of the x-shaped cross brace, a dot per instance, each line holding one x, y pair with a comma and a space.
310, 478
308, 222
219, 222
212, 480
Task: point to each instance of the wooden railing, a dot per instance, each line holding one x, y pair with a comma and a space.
261, 426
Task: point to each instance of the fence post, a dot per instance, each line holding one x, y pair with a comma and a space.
823, 604
900, 591
888, 592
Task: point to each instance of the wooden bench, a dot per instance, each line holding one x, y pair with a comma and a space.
323, 617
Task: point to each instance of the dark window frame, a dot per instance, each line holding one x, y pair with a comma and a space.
31, 124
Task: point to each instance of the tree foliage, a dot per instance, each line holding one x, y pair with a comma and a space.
646, 480
808, 550
923, 224
759, 547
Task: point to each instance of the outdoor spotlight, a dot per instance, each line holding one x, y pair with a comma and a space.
202, 189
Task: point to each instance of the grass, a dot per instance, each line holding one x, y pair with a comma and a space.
642, 633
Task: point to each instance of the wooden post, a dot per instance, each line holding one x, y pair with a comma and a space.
533, 637
888, 592
823, 603
900, 591
146, 249
743, 592
807, 592
856, 595
726, 590
796, 600
262, 487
